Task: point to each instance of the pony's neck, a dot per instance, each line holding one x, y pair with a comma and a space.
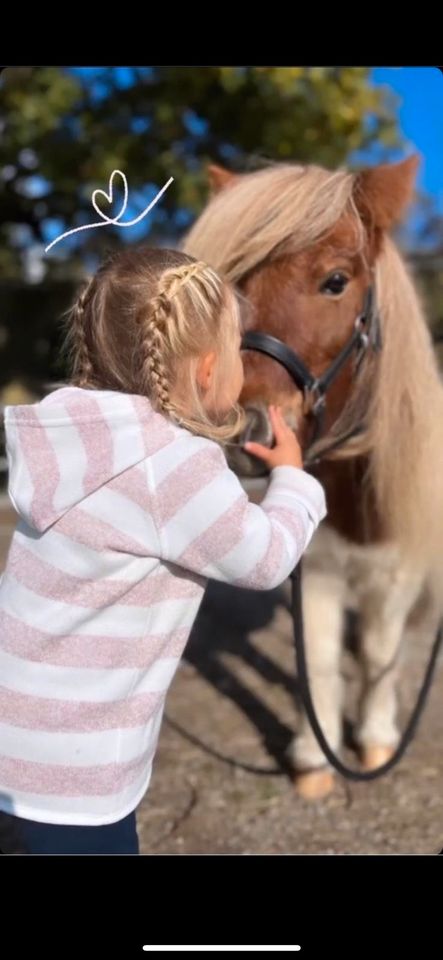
351, 507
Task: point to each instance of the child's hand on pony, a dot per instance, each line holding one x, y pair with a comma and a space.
286, 452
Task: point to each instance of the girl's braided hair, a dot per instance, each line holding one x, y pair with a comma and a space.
139, 325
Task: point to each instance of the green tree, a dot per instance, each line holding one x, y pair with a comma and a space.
64, 131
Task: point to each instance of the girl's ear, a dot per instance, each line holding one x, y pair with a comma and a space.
205, 370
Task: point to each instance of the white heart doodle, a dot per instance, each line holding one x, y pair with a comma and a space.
110, 198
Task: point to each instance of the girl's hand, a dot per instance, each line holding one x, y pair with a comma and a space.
287, 450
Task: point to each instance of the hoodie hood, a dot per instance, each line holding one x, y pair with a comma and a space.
65, 447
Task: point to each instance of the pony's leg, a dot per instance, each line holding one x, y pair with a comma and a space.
384, 614
323, 606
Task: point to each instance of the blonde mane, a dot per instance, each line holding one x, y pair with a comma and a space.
286, 208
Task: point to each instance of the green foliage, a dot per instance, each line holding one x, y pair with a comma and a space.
72, 128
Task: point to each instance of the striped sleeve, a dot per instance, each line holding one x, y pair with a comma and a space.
207, 525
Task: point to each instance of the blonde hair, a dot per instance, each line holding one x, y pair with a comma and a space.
398, 395
263, 215
140, 325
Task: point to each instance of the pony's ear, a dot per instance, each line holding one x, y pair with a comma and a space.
382, 194
219, 178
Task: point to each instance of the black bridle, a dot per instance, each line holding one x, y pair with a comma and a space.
366, 334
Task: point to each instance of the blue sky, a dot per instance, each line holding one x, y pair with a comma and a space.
420, 90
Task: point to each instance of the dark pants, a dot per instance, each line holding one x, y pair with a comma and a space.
28, 836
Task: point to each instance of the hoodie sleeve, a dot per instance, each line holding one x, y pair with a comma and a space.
207, 524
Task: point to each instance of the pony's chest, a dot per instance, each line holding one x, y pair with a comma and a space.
351, 507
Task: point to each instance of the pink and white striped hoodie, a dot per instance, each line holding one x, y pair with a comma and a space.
123, 517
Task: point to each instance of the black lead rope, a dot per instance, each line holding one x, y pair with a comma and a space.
305, 693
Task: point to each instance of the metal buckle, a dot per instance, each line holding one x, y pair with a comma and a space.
364, 340
361, 321
315, 398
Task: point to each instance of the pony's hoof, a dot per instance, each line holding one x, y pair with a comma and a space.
375, 756
315, 784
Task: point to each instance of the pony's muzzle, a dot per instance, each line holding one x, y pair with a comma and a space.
257, 429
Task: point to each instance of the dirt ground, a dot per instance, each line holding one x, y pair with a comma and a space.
221, 782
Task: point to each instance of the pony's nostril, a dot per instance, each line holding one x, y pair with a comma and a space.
258, 428
246, 434
252, 426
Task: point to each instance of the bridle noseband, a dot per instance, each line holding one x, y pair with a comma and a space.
366, 334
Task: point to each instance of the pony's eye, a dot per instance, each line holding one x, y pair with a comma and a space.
335, 284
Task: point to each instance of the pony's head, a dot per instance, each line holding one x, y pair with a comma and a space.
303, 245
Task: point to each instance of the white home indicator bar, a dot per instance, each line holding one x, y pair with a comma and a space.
222, 949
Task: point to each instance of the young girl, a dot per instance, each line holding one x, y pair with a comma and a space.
126, 507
